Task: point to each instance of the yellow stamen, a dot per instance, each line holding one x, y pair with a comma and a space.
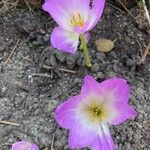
76, 20
96, 112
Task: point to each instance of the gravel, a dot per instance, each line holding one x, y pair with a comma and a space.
31, 100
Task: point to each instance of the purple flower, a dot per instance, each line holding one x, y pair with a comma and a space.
74, 17
88, 115
23, 145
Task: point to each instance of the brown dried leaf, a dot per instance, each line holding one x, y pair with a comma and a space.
104, 45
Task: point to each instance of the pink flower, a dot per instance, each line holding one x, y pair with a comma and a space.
74, 17
88, 115
23, 145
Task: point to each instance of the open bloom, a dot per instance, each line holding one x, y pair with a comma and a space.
23, 145
88, 115
74, 17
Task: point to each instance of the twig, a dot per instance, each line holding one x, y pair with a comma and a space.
52, 144
146, 12
60, 69
126, 9
14, 5
9, 123
51, 68
115, 7
145, 53
28, 59
12, 51
29, 7
42, 75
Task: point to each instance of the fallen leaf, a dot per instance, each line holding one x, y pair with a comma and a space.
104, 45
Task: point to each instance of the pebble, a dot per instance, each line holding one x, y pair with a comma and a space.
100, 56
46, 38
95, 67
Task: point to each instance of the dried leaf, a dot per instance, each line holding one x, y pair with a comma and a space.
104, 45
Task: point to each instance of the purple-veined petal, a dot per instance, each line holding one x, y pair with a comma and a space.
80, 136
56, 10
117, 89
124, 112
65, 113
82, 7
23, 145
103, 143
63, 10
104, 140
90, 86
64, 40
96, 13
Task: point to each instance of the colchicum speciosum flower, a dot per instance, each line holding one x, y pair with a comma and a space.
24, 145
88, 115
75, 18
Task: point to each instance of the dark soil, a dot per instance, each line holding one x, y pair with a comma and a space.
30, 99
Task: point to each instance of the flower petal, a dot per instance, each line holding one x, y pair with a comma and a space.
117, 89
81, 6
104, 143
90, 86
63, 10
65, 113
23, 145
124, 112
80, 136
104, 140
96, 12
64, 40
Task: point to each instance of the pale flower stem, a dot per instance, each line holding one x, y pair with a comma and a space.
85, 51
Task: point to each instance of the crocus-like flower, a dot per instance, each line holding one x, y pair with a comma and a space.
74, 17
23, 145
88, 115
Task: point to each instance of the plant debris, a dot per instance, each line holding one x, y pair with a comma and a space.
104, 45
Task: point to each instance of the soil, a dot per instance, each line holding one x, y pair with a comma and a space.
29, 98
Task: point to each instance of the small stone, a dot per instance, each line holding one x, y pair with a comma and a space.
1, 48
95, 67
53, 61
40, 40
71, 60
100, 56
60, 56
46, 38
110, 74
42, 31
130, 62
100, 75
80, 59
113, 54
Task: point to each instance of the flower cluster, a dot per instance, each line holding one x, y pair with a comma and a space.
88, 115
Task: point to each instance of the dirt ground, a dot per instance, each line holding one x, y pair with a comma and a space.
29, 92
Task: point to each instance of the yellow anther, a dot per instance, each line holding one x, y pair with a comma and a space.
77, 20
96, 112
